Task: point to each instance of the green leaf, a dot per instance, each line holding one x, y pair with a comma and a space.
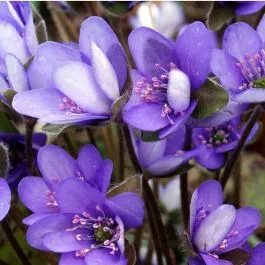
132, 184
55, 129
219, 16
211, 98
4, 161
6, 124
149, 136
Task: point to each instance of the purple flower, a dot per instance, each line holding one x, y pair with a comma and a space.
167, 74
240, 65
257, 255
219, 140
164, 156
243, 8
72, 214
75, 86
18, 42
16, 148
217, 228
5, 198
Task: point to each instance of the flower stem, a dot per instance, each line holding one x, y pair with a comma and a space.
121, 155
91, 136
234, 156
184, 198
14, 243
69, 144
30, 124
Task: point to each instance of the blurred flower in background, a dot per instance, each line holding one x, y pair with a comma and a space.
164, 17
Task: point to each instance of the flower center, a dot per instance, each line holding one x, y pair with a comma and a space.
100, 232
216, 136
70, 107
225, 242
253, 69
155, 91
51, 201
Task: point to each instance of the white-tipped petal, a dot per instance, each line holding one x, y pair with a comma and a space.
178, 91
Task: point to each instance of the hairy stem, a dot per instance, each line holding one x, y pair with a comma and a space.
29, 125
234, 156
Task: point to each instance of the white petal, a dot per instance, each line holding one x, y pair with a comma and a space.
17, 76
12, 42
178, 91
214, 228
104, 72
77, 82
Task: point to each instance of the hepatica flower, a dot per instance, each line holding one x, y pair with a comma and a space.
218, 141
257, 255
164, 156
167, 74
72, 85
72, 214
217, 228
16, 148
240, 65
18, 42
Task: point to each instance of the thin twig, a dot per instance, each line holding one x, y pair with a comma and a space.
14, 243
233, 158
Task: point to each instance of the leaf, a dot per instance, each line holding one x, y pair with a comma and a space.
132, 184
4, 161
236, 256
55, 129
130, 253
211, 98
150, 136
6, 124
9, 95
218, 16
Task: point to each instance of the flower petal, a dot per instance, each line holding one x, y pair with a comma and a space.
129, 207
76, 81
261, 29
49, 55
53, 223
35, 217
149, 152
170, 163
210, 260
104, 73
241, 39
12, 42
248, 7
138, 115
210, 159
196, 261
97, 30
5, 198
102, 256
258, 255
70, 259
38, 102
89, 161
56, 165
33, 192
178, 90
149, 48
77, 196
251, 95
193, 48
247, 221
17, 76
207, 197
224, 66
63, 241
214, 228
